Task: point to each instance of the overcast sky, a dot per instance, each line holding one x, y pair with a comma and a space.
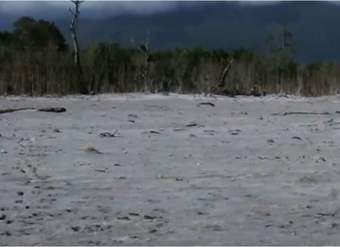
90, 9
93, 9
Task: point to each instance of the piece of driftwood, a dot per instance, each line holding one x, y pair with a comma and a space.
108, 134
47, 109
191, 125
53, 109
154, 132
92, 150
206, 103
297, 138
300, 113
2, 111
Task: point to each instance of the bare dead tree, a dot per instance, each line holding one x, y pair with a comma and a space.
145, 50
219, 88
73, 28
225, 73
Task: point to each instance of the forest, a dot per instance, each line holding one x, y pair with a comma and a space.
35, 59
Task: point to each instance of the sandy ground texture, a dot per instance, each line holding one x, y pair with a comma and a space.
164, 170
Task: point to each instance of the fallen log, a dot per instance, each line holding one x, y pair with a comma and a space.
53, 109
108, 134
47, 109
206, 103
2, 111
300, 113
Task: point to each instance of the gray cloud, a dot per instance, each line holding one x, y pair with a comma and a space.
102, 7
90, 9
53, 10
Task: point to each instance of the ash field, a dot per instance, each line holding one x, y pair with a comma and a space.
140, 169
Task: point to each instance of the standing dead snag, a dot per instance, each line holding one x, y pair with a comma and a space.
76, 51
144, 48
225, 73
73, 28
220, 87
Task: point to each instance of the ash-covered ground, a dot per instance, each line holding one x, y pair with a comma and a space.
166, 170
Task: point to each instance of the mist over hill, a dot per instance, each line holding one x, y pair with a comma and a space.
225, 25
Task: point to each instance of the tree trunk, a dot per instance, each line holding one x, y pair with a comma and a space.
220, 87
76, 52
